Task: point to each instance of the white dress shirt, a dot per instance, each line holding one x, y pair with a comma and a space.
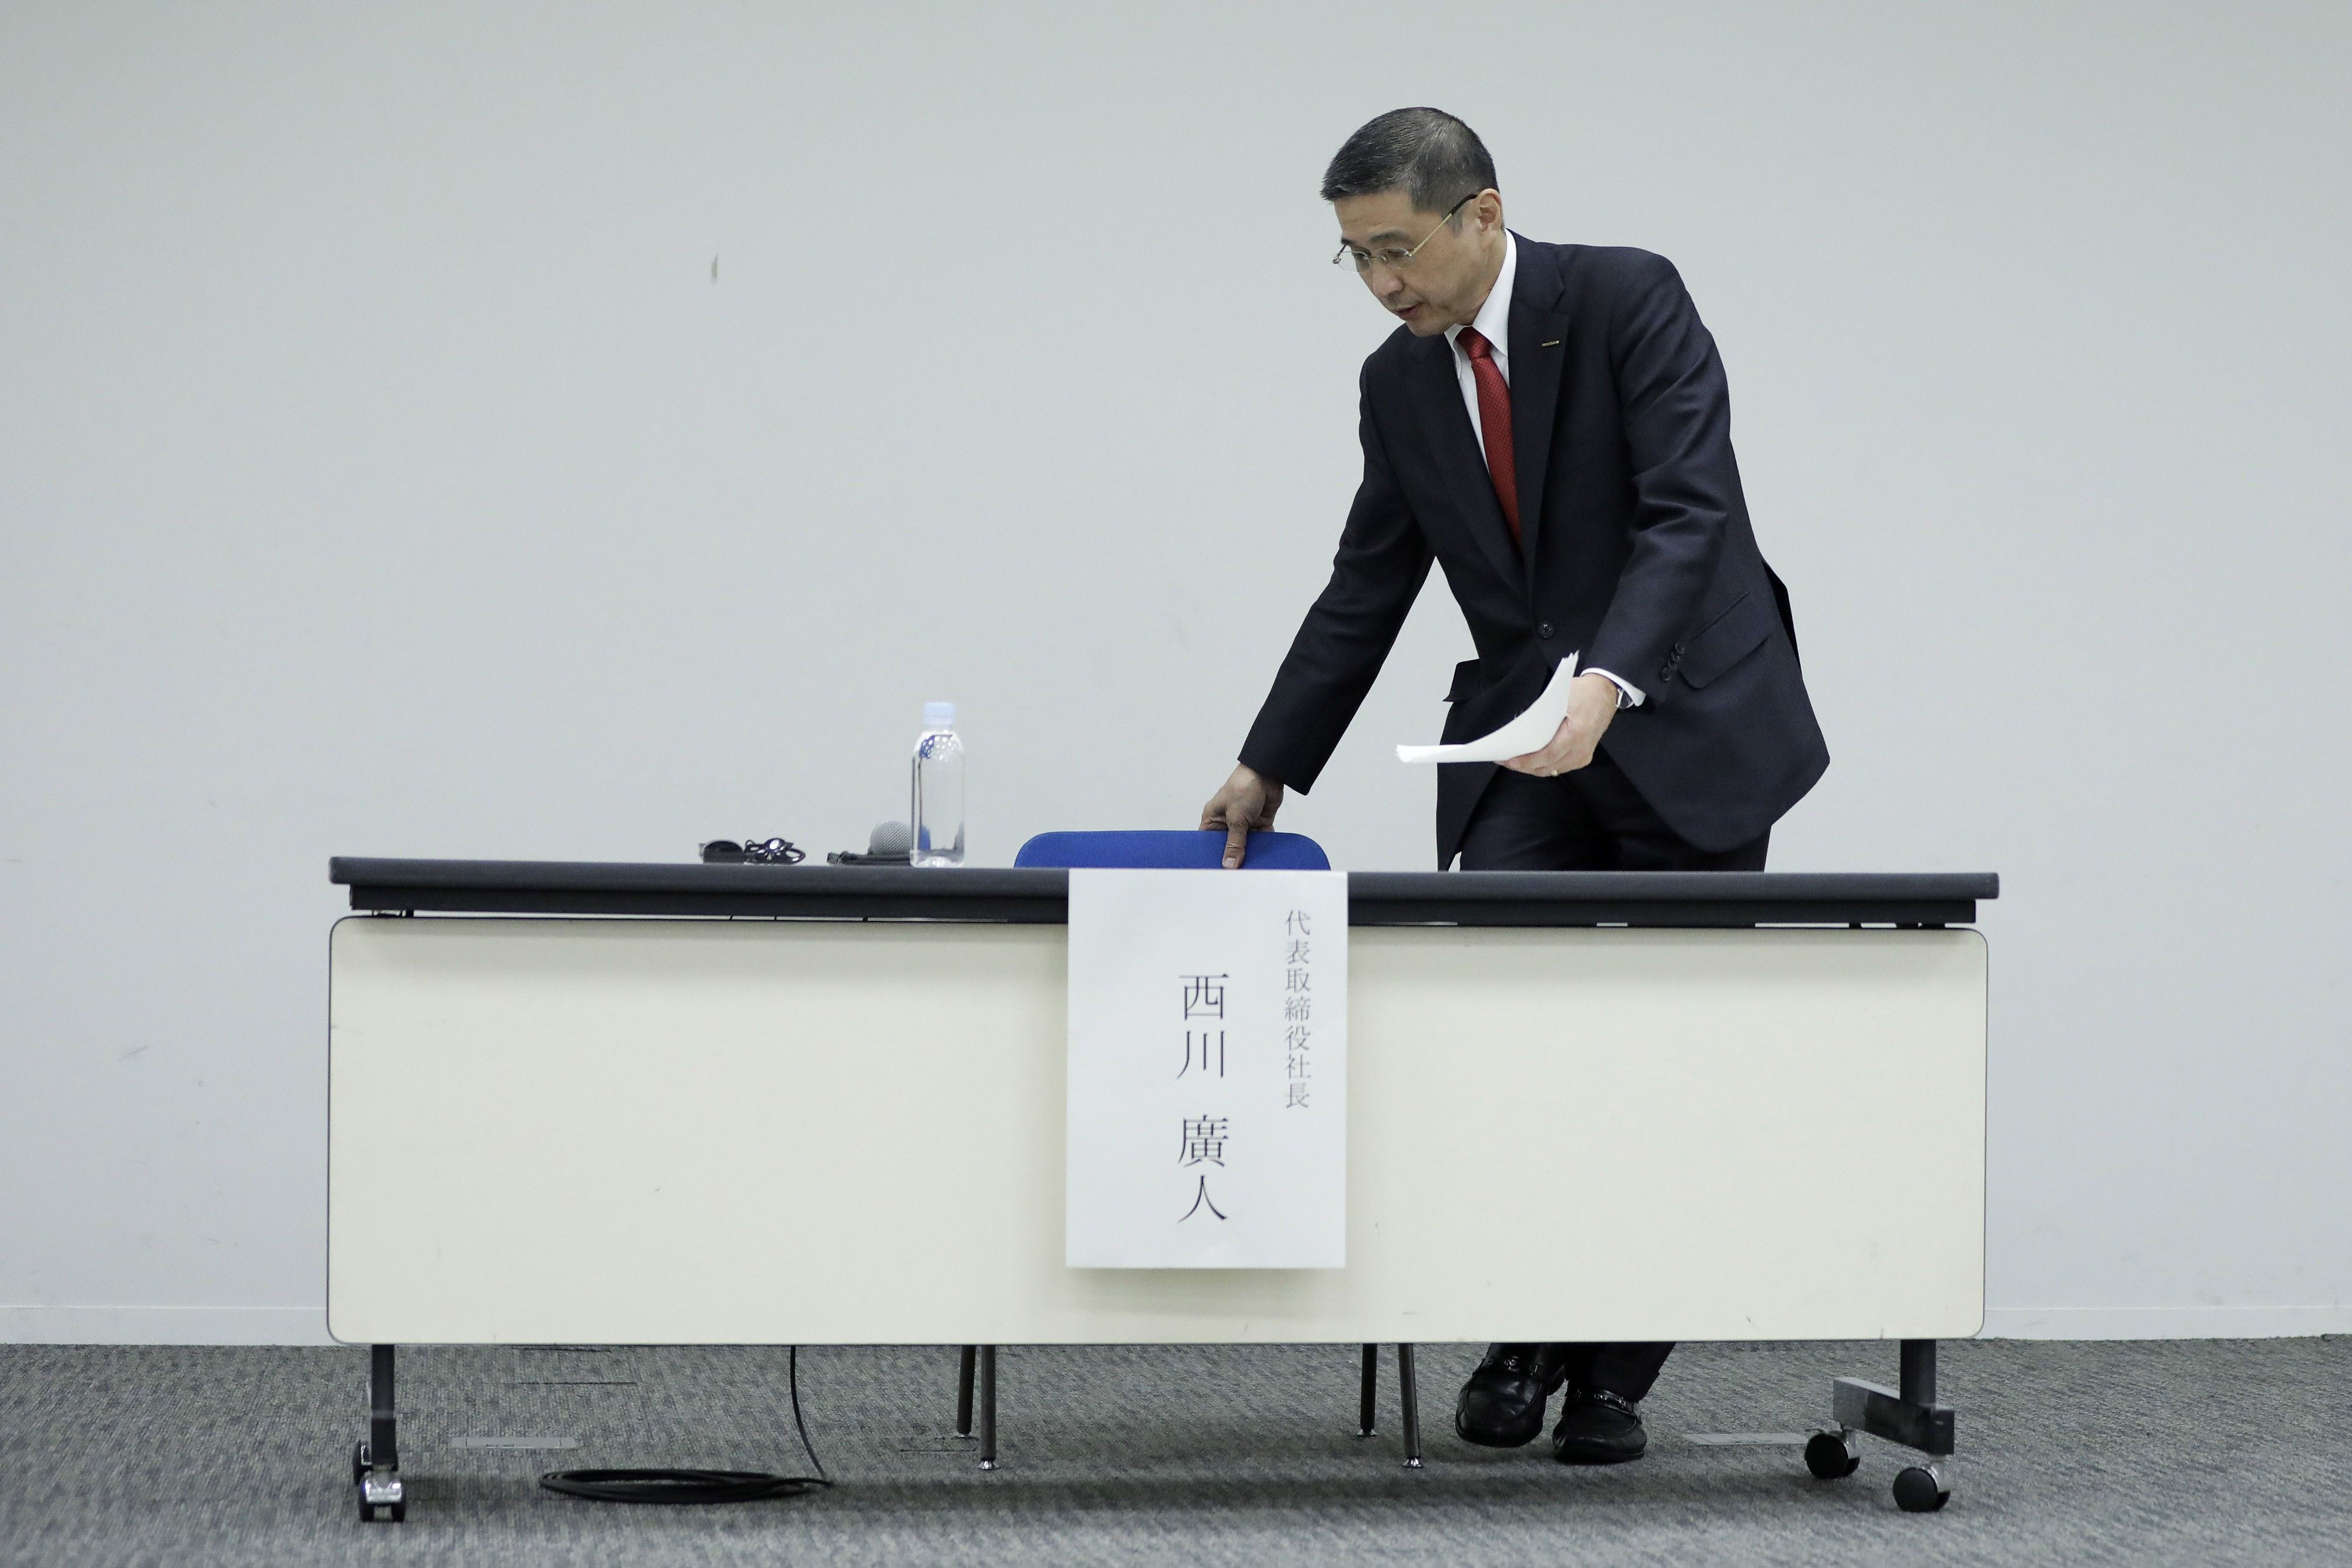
1493, 324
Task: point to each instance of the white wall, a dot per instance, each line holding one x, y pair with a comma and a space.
383, 470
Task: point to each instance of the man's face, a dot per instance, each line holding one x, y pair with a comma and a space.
1447, 279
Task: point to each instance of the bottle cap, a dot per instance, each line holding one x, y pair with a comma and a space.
939, 715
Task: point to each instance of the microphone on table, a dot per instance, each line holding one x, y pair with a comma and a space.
891, 843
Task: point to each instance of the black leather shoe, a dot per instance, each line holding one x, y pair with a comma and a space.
1597, 1427
1502, 1405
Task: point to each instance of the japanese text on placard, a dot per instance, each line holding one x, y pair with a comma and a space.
1297, 1009
1204, 1135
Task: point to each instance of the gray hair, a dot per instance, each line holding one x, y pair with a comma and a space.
1427, 153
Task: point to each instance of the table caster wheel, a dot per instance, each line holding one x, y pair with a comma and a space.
383, 1495
1919, 1489
1830, 1455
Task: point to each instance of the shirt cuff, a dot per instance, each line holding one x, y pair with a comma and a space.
1627, 693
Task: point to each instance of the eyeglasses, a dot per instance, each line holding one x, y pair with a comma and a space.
1393, 259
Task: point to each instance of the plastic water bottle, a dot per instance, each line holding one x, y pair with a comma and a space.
937, 816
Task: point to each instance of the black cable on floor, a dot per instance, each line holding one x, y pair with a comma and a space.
697, 1486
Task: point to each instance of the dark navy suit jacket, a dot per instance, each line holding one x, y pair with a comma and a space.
1638, 555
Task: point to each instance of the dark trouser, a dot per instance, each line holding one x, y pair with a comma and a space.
1591, 819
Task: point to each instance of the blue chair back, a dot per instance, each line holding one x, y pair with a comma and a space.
1172, 851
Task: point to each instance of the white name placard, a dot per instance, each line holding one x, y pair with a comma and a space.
1208, 1070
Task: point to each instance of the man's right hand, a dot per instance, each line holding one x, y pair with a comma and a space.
1246, 804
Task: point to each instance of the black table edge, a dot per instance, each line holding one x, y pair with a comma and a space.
1040, 896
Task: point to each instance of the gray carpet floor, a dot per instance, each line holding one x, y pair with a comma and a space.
2192, 1452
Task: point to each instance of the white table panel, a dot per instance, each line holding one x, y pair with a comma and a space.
623, 1131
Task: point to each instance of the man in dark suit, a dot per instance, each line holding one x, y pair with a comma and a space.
1550, 425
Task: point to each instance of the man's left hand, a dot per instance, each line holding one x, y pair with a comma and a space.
1592, 704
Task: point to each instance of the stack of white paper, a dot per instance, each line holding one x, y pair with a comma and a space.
1531, 731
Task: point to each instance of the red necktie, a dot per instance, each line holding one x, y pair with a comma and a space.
1495, 423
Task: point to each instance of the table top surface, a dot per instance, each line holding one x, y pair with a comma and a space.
1038, 894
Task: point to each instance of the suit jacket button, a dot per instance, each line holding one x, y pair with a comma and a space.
1544, 629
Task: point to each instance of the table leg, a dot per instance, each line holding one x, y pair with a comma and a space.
1411, 1389
988, 1407
1906, 1414
375, 1465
